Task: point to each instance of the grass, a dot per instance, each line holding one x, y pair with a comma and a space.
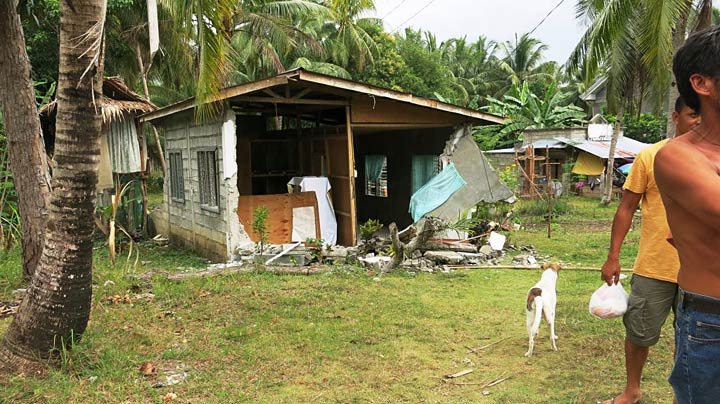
578, 238
345, 336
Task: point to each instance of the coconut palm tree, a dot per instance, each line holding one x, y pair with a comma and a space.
211, 26
346, 36
632, 42
523, 60
56, 308
474, 66
22, 124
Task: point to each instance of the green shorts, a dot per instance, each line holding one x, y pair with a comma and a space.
648, 307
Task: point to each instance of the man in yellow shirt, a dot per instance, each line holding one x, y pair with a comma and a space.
654, 281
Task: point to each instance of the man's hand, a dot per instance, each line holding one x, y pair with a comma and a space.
611, 271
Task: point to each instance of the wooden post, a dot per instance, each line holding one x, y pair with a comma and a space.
528, 171
351, 175
550, 193
143, 174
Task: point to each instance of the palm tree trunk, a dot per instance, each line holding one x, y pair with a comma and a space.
26, 148
143, 76
678, 40
608, 185
56, 308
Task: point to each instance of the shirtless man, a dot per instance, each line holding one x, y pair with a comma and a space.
654, 280
687, 172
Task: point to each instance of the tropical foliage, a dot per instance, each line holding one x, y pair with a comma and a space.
526, 110
206, 46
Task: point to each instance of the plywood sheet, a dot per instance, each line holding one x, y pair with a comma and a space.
339, 157
280, 220
340, 194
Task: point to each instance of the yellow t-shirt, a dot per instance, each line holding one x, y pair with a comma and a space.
656, 258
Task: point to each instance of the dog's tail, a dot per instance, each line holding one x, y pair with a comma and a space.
534, 316
532, 295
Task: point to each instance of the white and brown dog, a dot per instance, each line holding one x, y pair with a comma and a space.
542, 299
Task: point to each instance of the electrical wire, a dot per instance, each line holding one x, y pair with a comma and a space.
546, 17
393, 9
412, 16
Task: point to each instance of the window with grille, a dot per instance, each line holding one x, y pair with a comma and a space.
177, 185
207, 178
376, 186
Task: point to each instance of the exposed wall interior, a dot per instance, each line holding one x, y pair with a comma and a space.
398, 147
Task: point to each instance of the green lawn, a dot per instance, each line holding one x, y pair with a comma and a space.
346, 336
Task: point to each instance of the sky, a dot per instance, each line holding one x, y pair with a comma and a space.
498, 20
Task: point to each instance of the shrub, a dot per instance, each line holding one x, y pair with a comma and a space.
368, 229
259, 226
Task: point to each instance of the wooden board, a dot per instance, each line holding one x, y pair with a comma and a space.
244, 170
381, 110
279, 222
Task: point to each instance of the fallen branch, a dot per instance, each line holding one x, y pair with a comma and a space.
474, 350
428, 227
234, 269
495, 382
525, 267
459, 374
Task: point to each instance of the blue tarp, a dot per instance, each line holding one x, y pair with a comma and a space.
438, 190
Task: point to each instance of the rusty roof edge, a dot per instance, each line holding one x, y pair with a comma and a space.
317, 78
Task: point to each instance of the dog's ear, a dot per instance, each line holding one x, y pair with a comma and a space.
545, 266
555, 266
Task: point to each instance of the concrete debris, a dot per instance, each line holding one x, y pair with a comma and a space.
484, 245
445, 257
374, 262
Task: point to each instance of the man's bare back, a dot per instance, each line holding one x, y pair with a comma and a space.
687, 171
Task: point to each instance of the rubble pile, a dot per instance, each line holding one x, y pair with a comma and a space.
485, 245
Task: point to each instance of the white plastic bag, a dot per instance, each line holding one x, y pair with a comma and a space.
609, 301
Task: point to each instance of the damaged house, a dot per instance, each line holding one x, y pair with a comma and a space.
323, 155
124, 153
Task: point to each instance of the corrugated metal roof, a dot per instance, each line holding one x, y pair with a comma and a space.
626, 147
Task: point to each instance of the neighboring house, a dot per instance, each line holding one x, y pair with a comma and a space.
370, 147
596, 97
122, 146
582, 150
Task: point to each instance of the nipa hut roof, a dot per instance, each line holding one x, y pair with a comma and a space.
117, 99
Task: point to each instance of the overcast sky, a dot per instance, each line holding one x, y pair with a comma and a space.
498, 20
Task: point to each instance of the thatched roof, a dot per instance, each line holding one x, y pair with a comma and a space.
117, 99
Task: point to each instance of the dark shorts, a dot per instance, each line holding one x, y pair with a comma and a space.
695, 378
648, 307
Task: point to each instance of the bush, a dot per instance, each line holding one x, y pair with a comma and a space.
510, 177
538, 207
646, 128
368, 229
155, 183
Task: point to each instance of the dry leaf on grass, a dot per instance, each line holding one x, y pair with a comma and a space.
147, 369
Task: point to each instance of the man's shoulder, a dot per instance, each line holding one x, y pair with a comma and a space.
675, 154
676, 146
652, 150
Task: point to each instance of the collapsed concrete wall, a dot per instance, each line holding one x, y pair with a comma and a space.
483, 182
